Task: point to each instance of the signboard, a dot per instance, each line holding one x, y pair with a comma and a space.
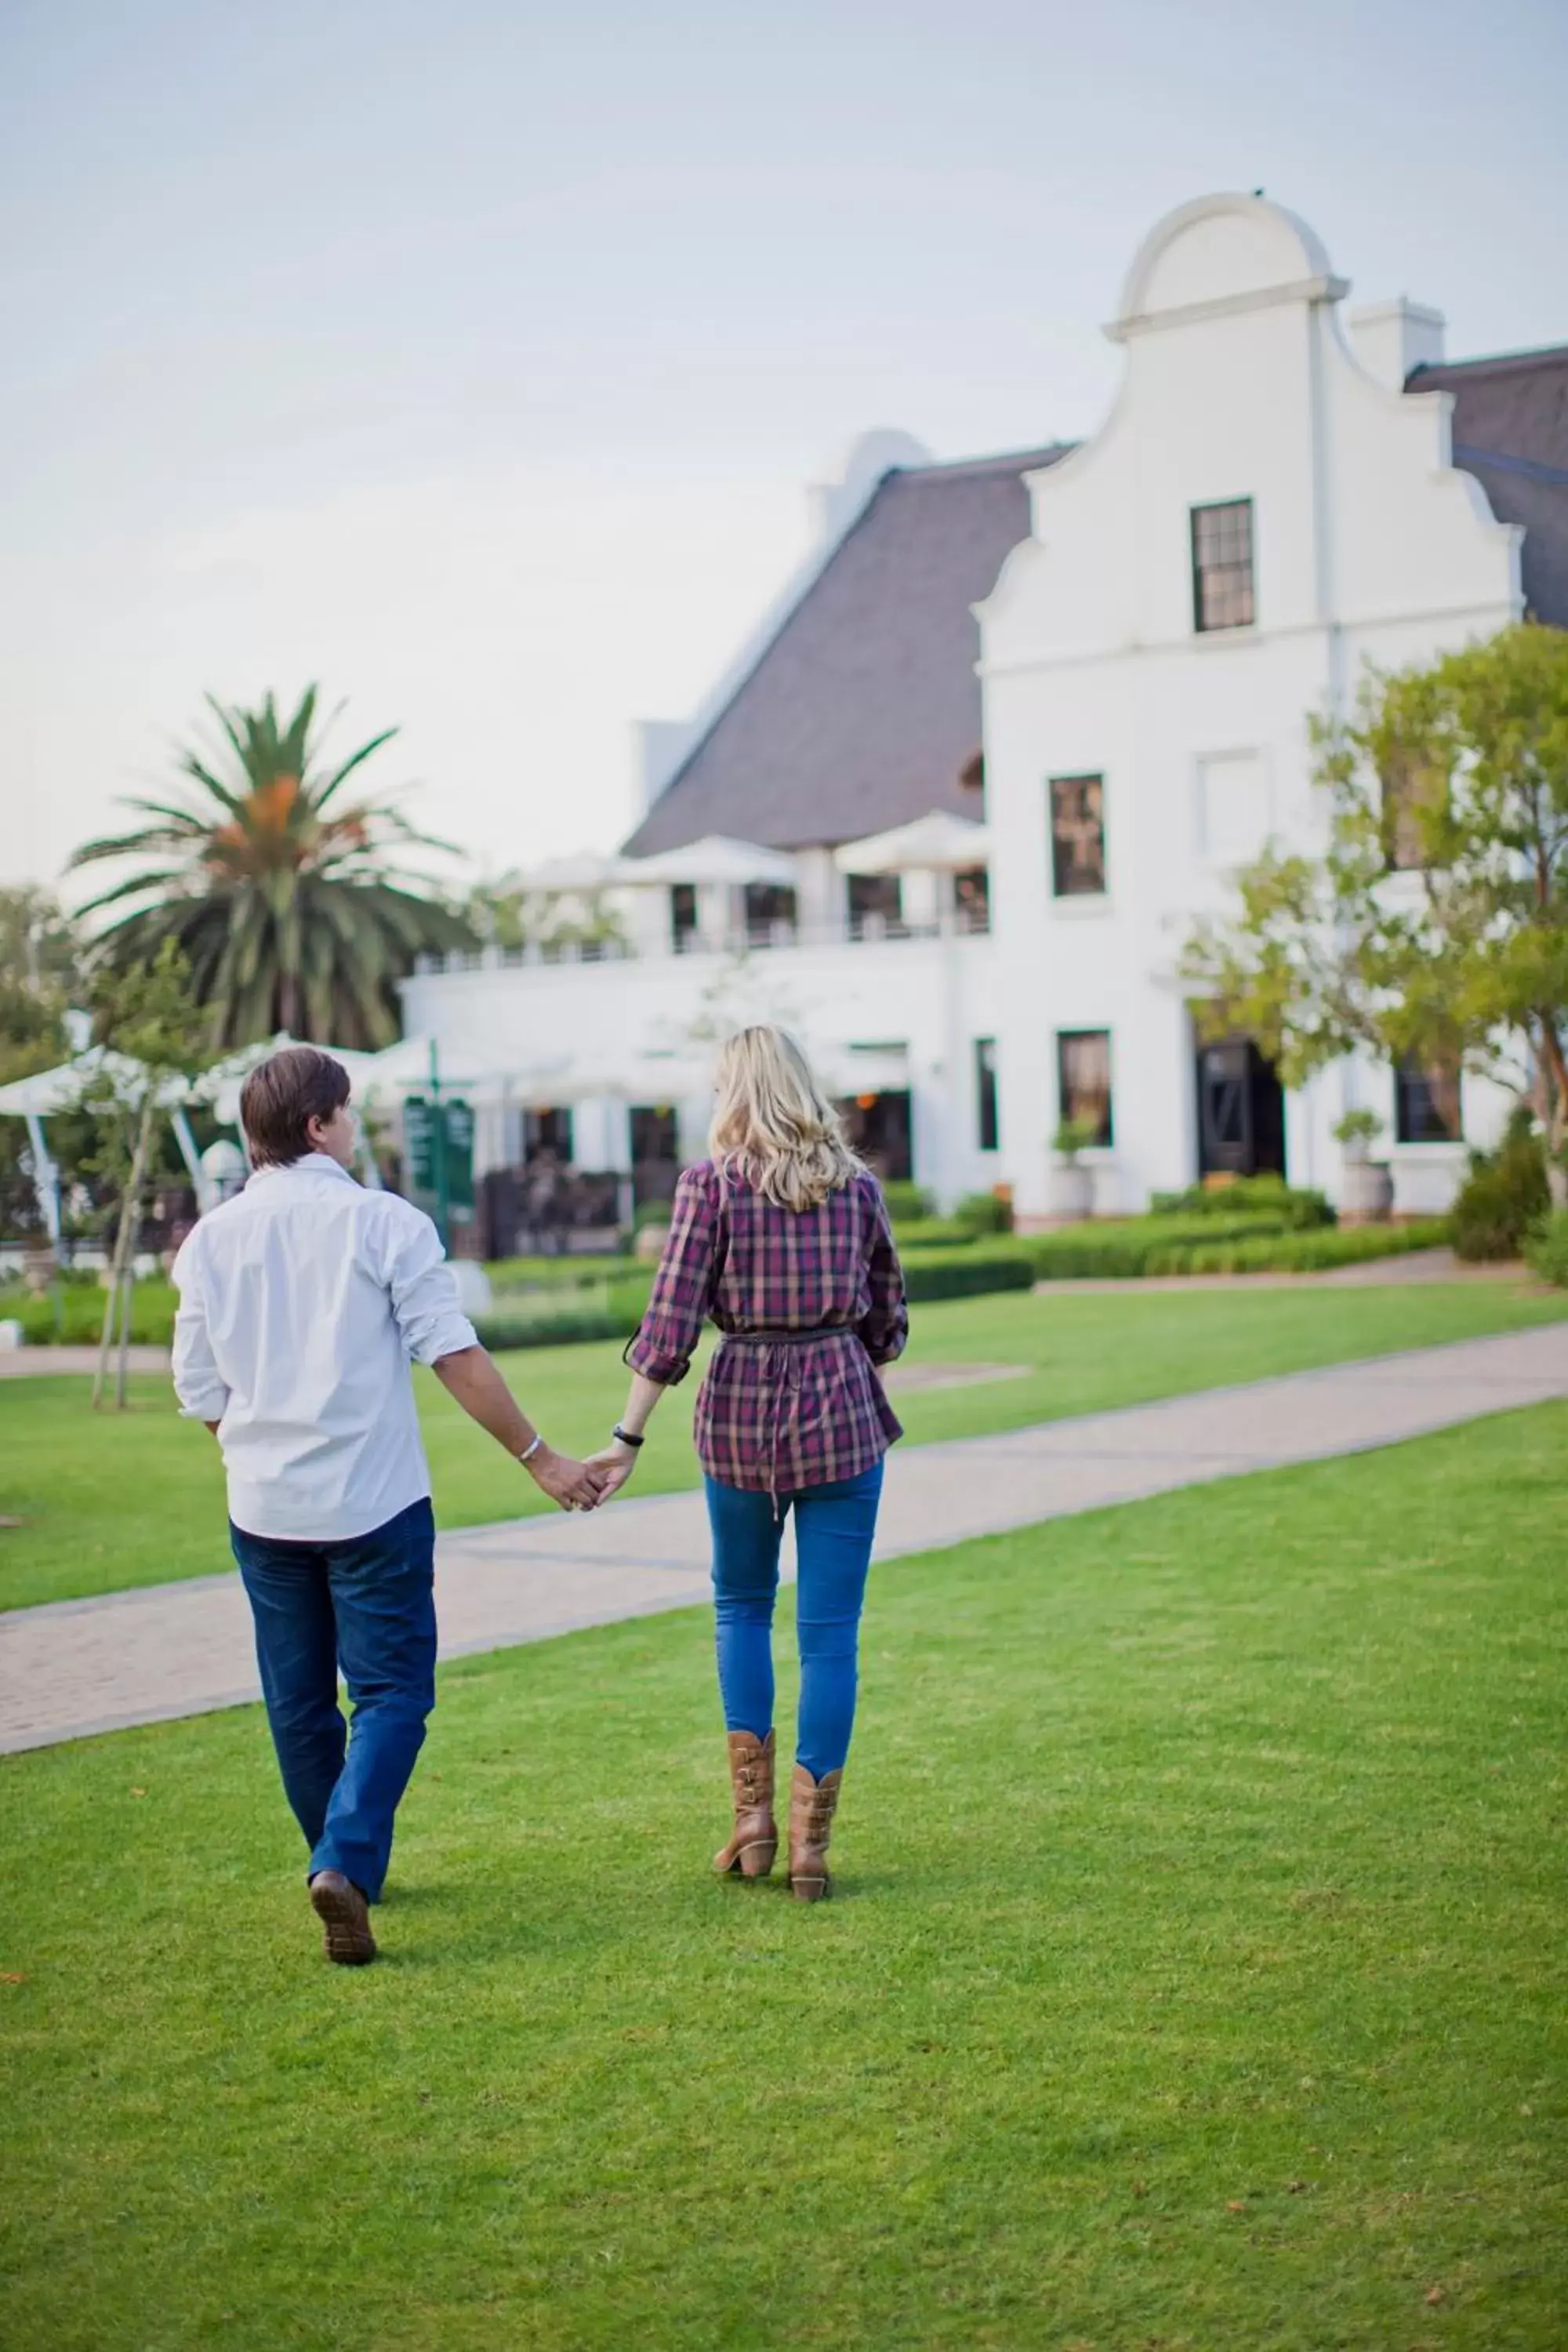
438, 1152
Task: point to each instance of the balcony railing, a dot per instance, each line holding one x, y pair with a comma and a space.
865, 930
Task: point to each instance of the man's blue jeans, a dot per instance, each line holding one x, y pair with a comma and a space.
366, 1604
834, 1528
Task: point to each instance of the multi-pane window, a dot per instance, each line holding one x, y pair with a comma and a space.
683, 916
1078, 836
547, 1135
972, 899
1413, 794
985, 1092
875, 905
770, 913
1083, 1081
1427, 1103
1222, 565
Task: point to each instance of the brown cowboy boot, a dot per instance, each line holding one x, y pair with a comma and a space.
812, 1805
751, 1850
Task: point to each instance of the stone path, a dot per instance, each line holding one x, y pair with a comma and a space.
80, 1666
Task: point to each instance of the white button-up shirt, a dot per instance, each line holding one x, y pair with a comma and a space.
302, 1302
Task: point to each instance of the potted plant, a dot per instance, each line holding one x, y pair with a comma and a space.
1366, 1194
1071, 1191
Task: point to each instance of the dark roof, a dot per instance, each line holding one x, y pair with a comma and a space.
863, 708
1510, 431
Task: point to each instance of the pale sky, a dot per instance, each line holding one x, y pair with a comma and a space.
474, 361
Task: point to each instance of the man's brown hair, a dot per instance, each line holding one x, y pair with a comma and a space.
280, 1098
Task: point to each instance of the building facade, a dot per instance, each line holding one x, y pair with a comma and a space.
1058, 698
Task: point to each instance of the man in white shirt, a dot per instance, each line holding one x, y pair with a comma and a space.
301, 1302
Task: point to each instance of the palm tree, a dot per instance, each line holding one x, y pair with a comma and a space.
279, 894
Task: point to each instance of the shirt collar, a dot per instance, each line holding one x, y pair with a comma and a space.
318, 1164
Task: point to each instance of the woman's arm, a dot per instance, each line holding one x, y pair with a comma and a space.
660, 1354
885, 1327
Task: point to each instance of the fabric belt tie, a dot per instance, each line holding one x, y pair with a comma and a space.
792, 1339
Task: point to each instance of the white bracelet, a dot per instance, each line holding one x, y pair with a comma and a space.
530, 1450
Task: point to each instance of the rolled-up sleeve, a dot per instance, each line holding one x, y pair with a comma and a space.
683, 1287
885, 1327
422, 1288
200, 1387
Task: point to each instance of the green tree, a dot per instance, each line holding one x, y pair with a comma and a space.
280, 893
507, 914
40, 958
1434, 926
156, 1040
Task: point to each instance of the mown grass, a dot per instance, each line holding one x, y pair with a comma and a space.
110, 1501
1195, 1979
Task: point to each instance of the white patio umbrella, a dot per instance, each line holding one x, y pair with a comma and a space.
48, 1092
220, 1087
934, 843
716, 859
580, 875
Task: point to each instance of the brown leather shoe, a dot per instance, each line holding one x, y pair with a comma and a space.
812, 1805
345, 1916
751, 1850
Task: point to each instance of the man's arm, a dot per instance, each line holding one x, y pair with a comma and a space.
198, 1384
473, 1378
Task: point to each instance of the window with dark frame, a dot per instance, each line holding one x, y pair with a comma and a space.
987, 1122
1427, 1104
972, 899
1078, 836
1222, 565
1411, 794
682, 916
770, 912
1083, 1081
874, 900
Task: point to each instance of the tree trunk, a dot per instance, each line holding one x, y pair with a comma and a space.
122, 1272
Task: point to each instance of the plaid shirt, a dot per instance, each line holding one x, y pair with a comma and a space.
774, 1415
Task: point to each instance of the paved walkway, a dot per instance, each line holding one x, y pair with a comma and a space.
81, 1666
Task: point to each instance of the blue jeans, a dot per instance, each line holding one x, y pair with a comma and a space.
834, 1528
367, 1604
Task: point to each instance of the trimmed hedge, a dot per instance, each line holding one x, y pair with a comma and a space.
969, 1271
569, 1329
1124, 1247
1244, 1250
80, 1320
907, 1202
563, 1273
935, 1232
1546, 1247
1286, 1209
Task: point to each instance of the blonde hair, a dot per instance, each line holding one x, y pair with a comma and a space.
772, 1126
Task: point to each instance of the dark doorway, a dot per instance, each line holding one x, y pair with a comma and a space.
879, 1129
1241, 1111
655, 1153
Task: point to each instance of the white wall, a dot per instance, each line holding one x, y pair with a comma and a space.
1367, 547
933, 997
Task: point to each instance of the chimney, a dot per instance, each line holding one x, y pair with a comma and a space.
1391, 339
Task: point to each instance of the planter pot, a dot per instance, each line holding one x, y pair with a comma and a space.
648, 1247
1069, 1193
1366, 1195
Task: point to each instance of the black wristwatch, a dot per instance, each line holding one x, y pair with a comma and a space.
625, 1436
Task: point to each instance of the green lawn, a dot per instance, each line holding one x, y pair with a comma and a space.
1195, 1979
111, 1501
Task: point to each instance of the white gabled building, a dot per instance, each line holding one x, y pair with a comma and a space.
1109, 654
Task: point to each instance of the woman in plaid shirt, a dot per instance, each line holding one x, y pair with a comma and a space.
783, 1240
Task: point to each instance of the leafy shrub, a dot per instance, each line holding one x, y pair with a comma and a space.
1154, 1245
79, 1319
650, 1212
531, 1274
1114, 1247
967, 1273
941, 1232
984, 1212
498, 1332
1505, 1193
1315, 1251
1286, 1208
1546, 1247
907, 1202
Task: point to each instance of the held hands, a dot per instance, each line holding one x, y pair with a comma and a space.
574, 1486
613, 1465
